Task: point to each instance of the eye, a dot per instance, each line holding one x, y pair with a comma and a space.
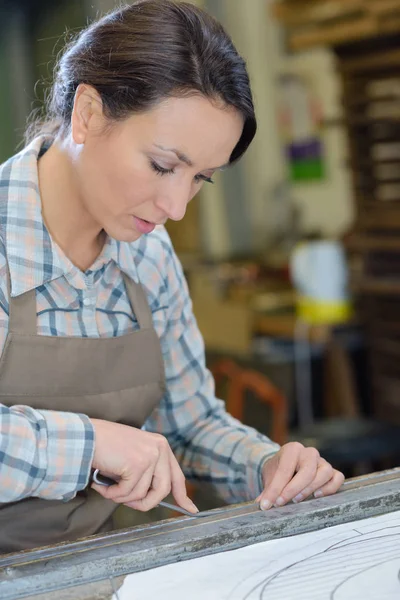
160, 170
199, 178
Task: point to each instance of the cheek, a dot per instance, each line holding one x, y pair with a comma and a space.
137, 187
98, 172
120, 187
112, 184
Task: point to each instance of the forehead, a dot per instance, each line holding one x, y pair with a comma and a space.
202, 129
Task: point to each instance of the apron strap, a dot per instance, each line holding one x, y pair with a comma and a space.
139, 303
22, 311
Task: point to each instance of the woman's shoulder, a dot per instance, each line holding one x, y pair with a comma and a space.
18, 172
7, 180
16, 161
3, 276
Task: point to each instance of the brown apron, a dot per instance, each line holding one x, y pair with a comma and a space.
118, 379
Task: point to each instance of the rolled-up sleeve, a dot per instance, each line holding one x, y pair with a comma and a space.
46, 454
209, 444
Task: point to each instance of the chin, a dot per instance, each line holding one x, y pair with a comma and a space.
123, 235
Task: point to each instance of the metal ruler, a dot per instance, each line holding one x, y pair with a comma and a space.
92, 568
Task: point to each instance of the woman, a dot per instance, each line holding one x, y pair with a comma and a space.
102, 363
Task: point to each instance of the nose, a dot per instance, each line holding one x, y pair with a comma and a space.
173, 203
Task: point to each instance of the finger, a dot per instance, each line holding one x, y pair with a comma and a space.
120, 489
160, 488
332, 486
178, 486
307, 471
323, 475
140, 490
286, 469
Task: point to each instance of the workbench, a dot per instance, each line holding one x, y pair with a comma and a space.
93, 568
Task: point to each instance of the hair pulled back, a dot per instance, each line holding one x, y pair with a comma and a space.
148, 51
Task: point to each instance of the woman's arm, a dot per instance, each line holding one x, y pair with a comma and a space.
210, 444
46, 454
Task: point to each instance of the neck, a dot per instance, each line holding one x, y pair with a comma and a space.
68, 222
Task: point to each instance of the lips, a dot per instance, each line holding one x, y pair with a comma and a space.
143, 226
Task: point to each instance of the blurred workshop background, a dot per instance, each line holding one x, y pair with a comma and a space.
293, 257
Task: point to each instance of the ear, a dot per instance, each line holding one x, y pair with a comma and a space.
87, 112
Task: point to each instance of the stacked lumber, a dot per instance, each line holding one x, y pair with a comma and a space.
332, 22
364, 35
370, 73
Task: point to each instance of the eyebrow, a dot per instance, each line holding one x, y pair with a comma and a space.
185, 159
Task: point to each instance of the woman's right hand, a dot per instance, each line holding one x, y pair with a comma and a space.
143, 464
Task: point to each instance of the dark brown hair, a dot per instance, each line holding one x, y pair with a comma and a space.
143, 53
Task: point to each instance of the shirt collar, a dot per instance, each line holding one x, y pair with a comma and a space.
34, 259
122, 253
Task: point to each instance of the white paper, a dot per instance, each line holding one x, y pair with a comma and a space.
353, 561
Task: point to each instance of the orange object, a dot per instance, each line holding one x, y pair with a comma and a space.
240, 380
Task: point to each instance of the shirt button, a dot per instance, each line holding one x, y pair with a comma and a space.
87, 302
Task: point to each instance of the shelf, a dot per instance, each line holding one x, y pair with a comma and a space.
312, 23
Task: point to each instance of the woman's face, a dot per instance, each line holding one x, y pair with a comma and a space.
144, 170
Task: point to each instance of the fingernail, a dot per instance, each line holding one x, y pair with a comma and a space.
318, 494
265, 505
280, 501
298, 498
194, 506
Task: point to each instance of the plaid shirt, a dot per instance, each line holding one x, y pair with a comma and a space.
47, 453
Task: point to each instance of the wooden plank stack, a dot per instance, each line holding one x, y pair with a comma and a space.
331, 22
369, 65
371, 95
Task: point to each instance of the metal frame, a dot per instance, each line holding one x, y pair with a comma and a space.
87, 569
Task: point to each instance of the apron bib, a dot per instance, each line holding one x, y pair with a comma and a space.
119, 379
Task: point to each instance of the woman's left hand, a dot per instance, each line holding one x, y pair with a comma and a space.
295, 473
